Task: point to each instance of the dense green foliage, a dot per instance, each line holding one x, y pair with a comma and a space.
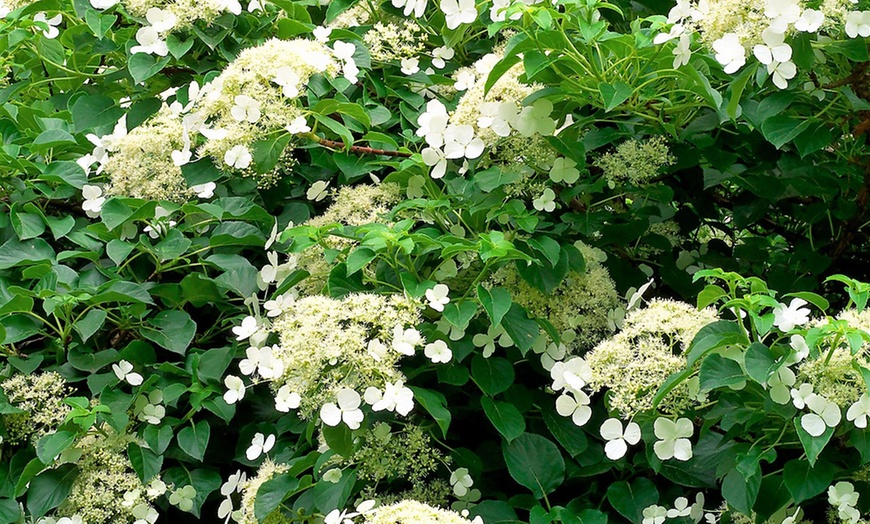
414, 262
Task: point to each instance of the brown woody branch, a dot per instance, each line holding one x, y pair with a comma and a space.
360, 150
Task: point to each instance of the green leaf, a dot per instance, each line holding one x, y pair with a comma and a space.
358, 259
629, 500
14, 253
717, 371
804, 481
709, 295
17, 304
173, 330
51, 138
741, 491
522, 330
10, 512
50, 446
614, 94
49, 489
27, 225
90, 111
436, 405
565, 431
157, 438
813, 446
506, 418
496, 302
193, 439
145, 462
492, 375
535, 463
118, 250
272, 493
337, 128
782, 129
759, 362
143, 66
214, 363
339, 439
89, 324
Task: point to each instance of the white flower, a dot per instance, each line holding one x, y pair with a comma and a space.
440, 55
395, 397
781, 73
564, 171
654, 514
498, 11
238, 157
233, 6
124, 371
697, 510
144, 514
437, 297
410, 65
780, 384
298, 126
535, 119
574, 405
792, 519
801, 395
458, 12
333, 475
799, 344
248, 327
321, 33
459, 142
433, 123
183, 497
152, 414
104, 4
225, 510
858, 24
235, 389
730, 52
464, 81
438, 352
204, 190
245, 109
787, 317
460, 480
347, 410
161, 20
279, 304
436, 159
317, 191
377, 349
405, 340
94, 200
617, 439
155, 488
571, 375
681, 52
286, 77
285, 400
234, 483
498, 116
859, 411
52, 24
674, 438
842, 494
824, 414
411, 6
810, 21
681, 508
149, 43
545, 202
676, 31
260, 445
182, 157
343, 50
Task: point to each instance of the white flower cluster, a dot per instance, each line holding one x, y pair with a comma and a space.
656, 514
843, 497
479, 120
734, 28
330, 351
